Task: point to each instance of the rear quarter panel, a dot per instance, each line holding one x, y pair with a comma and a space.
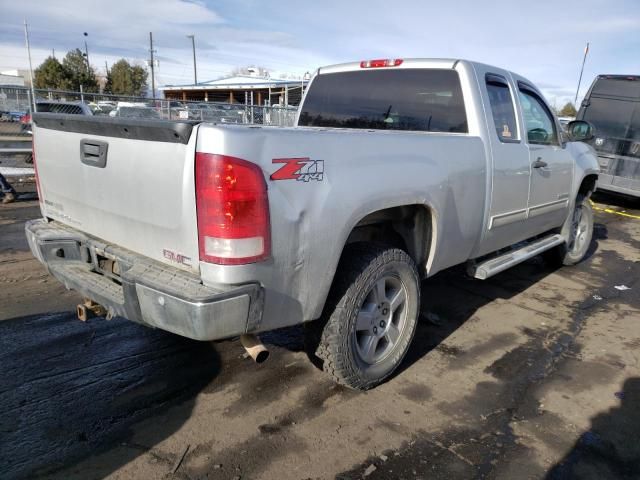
364, 171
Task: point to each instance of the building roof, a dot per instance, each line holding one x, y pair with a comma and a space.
237, 82
8, 79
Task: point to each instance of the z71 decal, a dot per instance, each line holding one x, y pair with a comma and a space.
300, 169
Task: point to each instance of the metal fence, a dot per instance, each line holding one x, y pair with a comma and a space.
287, 95
16, 107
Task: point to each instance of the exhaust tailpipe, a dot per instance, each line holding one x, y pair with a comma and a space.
254, 347
83, 312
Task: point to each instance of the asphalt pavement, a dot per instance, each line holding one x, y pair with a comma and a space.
534, 373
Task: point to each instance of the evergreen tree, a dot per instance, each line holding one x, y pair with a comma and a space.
50, 74
126, 79
568, 110
78, 72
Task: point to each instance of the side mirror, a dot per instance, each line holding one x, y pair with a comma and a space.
580, 131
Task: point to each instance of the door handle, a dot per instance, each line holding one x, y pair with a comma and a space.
539, 163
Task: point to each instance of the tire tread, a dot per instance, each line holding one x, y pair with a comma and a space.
358, 263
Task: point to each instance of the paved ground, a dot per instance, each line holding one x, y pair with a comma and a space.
532, 374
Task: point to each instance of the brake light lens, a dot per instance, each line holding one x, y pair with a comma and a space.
384, 62
35, 169
232, 210
25, 118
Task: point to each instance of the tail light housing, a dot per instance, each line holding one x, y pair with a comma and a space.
232, 209
26, 118
35, 169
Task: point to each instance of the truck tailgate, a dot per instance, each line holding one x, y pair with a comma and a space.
127, 182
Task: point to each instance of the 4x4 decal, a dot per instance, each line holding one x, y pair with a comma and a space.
301, 169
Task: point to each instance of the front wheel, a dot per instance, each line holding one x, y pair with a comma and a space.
578, 230
370, 317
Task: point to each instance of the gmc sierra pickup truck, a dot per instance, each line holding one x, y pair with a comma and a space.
396, 169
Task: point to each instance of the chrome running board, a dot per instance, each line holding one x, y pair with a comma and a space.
489, 268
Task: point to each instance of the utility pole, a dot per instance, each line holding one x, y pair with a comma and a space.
33, 92
584, 59
152, 65
106, 68
193, 45
86, 52
53, 52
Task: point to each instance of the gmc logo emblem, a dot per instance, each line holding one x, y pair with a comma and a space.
176, 257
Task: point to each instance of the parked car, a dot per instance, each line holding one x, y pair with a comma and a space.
101, 108
11, 116
69, 108
230, 113
135, 112
177, 111
396, 170
215, 112
51, 106
564, 122
612, 105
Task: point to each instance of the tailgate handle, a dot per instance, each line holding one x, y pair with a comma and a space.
93, 152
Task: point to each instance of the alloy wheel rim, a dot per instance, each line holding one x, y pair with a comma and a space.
579, 231
381, 320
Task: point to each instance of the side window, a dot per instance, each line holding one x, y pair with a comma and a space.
504, 117
541, 128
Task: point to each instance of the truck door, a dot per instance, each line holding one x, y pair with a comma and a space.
511, 169
551, 164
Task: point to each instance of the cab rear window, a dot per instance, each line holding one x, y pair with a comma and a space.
425, 100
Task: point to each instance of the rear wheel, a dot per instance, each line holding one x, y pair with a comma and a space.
370, 316
578, 230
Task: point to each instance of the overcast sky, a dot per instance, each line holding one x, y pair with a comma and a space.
541, 40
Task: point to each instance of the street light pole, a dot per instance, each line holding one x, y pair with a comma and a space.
33, 92
152, 66
86, 52
584, 59
195, 71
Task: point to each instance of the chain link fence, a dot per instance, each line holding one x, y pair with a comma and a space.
16, 107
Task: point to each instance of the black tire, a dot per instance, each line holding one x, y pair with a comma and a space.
366, 273
576, 248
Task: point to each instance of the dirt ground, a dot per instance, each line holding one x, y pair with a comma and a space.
534, 373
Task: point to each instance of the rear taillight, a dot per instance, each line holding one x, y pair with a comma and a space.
233, 210
25, 118
35, 169
386, 62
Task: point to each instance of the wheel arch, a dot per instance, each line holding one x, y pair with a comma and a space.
588, 185
386, 225
410, 227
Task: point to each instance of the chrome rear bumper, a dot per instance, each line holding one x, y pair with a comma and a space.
141, 289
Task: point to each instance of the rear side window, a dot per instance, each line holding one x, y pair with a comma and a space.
504, 116
407, 99
614, 118
541, 128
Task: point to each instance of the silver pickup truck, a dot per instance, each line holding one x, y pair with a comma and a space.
397, 169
